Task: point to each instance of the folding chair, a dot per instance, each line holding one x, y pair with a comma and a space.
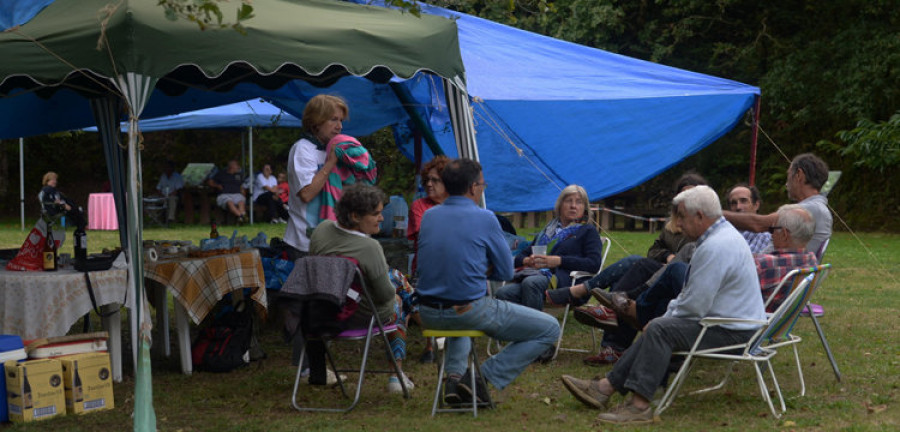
156, 209
774, 332
578, 277
375, 329
814, 312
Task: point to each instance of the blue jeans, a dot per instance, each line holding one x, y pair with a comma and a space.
613, 273
530, 292
654, 302
529, 332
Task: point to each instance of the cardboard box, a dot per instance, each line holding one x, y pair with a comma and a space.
88, 382
34, 390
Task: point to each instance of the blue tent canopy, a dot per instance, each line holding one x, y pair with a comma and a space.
250, 113
549, 113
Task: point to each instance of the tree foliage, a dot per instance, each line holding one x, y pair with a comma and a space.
207, 14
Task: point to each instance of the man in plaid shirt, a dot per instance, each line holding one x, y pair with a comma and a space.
793, 231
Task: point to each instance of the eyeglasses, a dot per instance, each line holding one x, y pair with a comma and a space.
434, 180
773, 228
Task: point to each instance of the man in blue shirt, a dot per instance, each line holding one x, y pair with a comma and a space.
461, 246
721, 282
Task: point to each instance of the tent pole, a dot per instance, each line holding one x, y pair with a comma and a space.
754, 136
408, 104
22, 181
249, 204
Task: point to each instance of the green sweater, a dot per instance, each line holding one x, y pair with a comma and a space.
329, 239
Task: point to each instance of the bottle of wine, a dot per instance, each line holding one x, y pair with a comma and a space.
77, 390
213, 230
50, 251
80, 244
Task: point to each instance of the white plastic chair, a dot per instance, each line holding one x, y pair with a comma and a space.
578, 277
773, 333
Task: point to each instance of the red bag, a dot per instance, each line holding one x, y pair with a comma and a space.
30, 256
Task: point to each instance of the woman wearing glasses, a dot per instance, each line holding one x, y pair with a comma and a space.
435, 194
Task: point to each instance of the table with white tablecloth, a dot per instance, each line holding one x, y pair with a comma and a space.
37, 305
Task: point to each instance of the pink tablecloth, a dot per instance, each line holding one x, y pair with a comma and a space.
102, 212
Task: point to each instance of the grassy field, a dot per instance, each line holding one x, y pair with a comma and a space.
861, 301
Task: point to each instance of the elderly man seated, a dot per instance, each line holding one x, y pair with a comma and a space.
722, 283
793, 231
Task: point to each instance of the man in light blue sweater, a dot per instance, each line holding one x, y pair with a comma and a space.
721, 282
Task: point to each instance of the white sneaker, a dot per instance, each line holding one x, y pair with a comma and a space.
330, 377
394, 386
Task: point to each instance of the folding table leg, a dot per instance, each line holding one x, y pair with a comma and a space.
183, 326
113, 325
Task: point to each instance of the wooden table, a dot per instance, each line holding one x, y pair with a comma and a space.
37, 305
201, 195
102, 212
197, 284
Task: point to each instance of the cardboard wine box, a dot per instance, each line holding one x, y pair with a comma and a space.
88, 382
34, 389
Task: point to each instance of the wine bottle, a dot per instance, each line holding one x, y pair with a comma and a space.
77, 390
27, 400
80, 244
213, 230
49, 251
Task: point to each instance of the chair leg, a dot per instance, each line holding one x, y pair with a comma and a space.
390, 355
562, 330
763, 389
799, 371
834, 366
675, 386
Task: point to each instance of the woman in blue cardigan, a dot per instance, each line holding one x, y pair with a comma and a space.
572, 244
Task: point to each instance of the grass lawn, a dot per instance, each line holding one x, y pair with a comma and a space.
860, 297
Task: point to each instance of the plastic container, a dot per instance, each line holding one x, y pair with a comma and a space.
11, 348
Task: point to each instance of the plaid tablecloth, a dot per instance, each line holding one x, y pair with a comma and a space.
199, 283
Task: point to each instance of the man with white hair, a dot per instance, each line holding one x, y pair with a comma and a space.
722, 282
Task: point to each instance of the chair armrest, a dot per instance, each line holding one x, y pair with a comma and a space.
579, 274
717, 321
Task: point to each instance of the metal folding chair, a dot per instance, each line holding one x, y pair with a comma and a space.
156, 208
375, 330
578, 277
773, 333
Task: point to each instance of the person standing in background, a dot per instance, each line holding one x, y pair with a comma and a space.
169, 187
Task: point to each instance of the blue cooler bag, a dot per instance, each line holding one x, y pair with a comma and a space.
11, 348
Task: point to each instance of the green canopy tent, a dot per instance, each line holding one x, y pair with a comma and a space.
124, 59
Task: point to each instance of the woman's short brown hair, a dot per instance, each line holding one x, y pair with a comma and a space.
358, 199
320, 108
438, 163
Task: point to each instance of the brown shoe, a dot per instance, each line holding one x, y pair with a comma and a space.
586, 391
614, 300
623, 306
628, 414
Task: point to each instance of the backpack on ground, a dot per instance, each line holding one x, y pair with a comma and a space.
225, 344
